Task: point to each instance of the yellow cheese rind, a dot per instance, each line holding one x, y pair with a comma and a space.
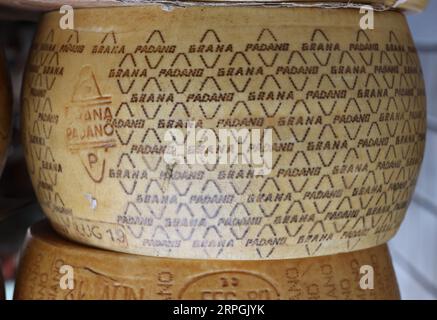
5, 111
45, 5
346, 106
409, 5
101, 274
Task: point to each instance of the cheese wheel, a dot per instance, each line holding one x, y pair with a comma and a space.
410, 5
44, 5
99, 274
345, 109
5, 111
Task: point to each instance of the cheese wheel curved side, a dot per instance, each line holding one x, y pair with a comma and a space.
345, 108
101, 274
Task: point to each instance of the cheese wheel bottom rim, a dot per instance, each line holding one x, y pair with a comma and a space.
100, 274
346, 107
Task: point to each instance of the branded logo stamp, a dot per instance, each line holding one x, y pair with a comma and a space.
90, 132
229, 285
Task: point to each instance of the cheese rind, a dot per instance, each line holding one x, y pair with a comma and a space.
345, 106
409, 5
46, 5
101, 274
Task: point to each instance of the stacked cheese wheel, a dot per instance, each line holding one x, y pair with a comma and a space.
107, 104
100, 274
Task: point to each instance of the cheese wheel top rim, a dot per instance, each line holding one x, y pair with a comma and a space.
44, 5
85, 24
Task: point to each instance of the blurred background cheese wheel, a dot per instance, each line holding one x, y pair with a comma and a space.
345, 108
44, 5
5, 111
98, 274
2, 287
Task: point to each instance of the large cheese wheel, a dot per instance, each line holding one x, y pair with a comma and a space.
413, 5
5, 111
345, 106
48, 260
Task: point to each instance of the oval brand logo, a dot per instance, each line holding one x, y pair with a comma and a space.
229, 285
